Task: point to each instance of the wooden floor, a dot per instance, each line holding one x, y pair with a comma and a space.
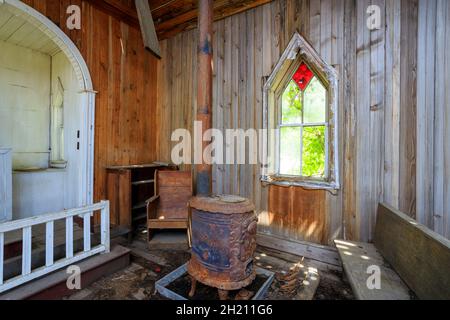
137, 282
38, 235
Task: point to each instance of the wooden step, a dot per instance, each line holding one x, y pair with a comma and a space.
13, 259
54, 287
356, 259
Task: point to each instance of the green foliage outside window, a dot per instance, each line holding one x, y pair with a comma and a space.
308, 159
314, 151
292, 105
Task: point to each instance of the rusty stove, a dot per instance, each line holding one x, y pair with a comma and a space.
223, 232
223, 228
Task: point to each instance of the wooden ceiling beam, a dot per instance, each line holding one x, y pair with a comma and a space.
174, 24
188, 20
239, 6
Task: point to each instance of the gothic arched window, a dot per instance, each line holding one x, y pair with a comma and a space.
301, 118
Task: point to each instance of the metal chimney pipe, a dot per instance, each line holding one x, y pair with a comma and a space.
204, 93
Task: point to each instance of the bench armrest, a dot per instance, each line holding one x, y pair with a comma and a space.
152, 200
151, 207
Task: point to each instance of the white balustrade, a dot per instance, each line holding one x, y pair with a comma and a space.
28, 273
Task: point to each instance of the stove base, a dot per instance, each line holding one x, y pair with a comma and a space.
223, 294
217, 280
163, 284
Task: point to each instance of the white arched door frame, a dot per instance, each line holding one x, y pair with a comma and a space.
86, 89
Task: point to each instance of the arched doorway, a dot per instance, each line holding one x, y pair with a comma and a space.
60, 177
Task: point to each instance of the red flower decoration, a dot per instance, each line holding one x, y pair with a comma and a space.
303, 76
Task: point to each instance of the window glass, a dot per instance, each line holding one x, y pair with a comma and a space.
290, 151
301, 111
302, 139
292, 104
313, 159
315, 97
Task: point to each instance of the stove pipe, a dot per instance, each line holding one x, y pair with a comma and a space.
204, 93
223, 228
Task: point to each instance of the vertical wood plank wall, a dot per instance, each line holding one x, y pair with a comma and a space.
377, 107
394, 118
433, 116
125, 75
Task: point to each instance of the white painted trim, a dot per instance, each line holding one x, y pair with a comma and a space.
87, 232
69, 237
105, 226
26, 251
26, 226
60, 38
19, 280
5, 185
2, 251
86, 89
298, 46
33, 221
49, 243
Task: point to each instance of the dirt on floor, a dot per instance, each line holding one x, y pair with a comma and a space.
182, 286
137, 282
333, 286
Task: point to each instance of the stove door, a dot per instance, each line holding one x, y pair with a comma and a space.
211, 234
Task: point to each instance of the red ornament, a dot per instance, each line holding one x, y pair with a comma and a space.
303, 76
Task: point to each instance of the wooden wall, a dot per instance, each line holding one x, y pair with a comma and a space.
125, 75
377, 107
393, 110
433, 110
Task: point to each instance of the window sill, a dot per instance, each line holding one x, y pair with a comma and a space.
306, 184
37, 171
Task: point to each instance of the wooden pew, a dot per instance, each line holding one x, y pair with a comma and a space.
414, 261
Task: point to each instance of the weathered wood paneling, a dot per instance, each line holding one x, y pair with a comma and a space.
392, 105
419, 256
348, 77
377, 92
408, 106
433, 116
125, 76
297, 214
384, 92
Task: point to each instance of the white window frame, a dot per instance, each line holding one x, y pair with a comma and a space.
298, 51
57, 154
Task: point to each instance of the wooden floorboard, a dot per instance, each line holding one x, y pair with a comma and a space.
304, 249
309, 278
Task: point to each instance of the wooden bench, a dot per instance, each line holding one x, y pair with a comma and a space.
168, 208
414, 261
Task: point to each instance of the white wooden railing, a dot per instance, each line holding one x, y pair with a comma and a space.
49, 219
